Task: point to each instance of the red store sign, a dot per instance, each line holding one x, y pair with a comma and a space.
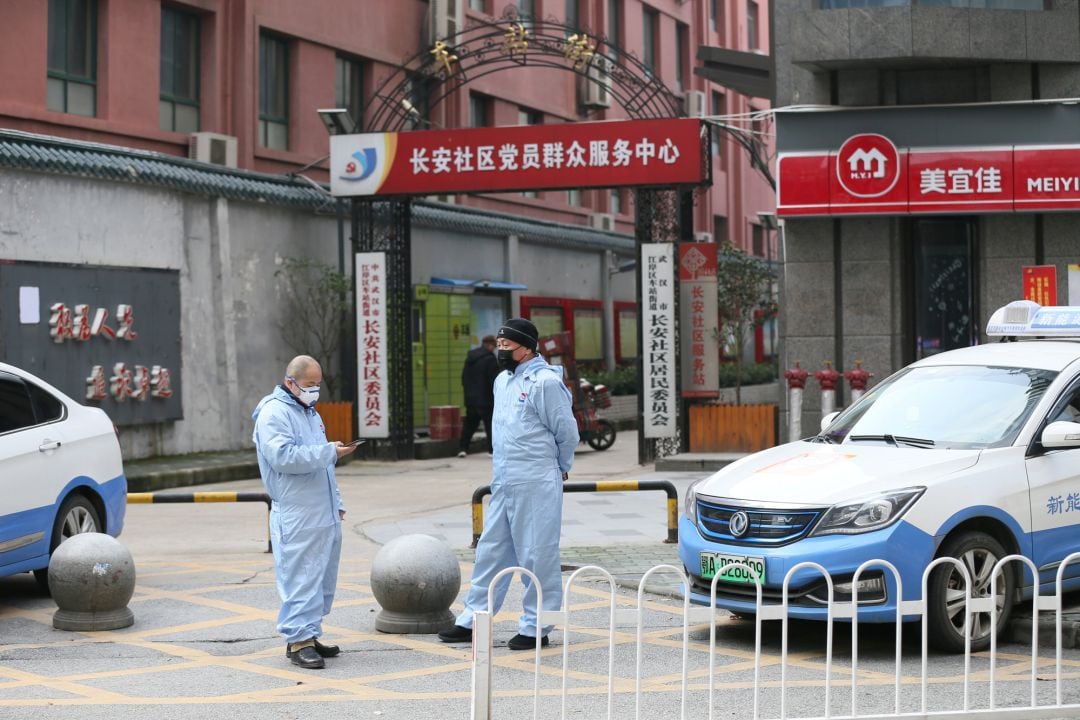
869, 176
525, 157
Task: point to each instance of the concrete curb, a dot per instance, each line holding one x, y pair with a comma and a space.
1019, 630
164, 479
697, 462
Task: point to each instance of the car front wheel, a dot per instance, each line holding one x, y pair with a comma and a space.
979, 553
77, 515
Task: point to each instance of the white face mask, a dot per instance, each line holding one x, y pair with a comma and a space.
308, 396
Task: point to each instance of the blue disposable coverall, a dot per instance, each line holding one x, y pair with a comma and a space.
297, 467
534, 437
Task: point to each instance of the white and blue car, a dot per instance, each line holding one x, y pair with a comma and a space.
972, 454
61, 472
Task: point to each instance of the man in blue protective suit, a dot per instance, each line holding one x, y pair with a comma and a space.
534, 437
297, 467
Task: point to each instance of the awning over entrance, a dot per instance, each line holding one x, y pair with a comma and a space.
478, 284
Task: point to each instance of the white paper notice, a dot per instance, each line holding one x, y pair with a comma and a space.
29, 305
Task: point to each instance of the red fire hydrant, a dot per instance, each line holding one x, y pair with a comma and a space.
796, 380
796, 377
858, 378
828, 378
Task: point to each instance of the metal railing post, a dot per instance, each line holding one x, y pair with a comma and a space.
481, 671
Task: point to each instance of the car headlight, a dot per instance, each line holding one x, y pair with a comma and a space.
867, 514
690, 501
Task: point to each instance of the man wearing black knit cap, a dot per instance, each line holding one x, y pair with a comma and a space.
534, 436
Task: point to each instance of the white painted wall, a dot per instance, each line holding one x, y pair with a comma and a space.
227, 253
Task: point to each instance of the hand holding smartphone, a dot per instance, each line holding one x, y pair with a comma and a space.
356, 442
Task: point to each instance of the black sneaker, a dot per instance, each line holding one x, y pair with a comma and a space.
524, 642
456, 634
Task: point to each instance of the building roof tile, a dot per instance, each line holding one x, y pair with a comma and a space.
44, 153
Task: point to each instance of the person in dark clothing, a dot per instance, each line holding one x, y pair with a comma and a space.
478, 377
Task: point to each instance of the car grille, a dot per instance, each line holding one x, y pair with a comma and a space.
767, 527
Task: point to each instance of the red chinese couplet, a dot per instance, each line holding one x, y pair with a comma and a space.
1040, 284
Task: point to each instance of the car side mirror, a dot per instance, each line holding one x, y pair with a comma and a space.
1061, 434
827, 420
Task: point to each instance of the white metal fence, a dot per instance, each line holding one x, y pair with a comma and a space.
987, 706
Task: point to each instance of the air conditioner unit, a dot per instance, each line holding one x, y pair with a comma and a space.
213, 148
694, 103
445, 19
597, 83
602, 221
703, 237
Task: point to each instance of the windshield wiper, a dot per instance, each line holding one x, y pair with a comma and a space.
895, 440
823, 438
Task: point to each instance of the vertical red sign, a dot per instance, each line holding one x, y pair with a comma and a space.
1040, 284
699, 320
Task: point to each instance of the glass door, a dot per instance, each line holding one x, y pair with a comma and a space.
943, 275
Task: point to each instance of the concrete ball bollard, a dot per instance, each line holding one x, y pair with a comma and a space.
415, 578
91, 578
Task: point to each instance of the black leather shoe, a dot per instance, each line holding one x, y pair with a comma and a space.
307, 657
524, 642
456, 634
323, 650
326, 650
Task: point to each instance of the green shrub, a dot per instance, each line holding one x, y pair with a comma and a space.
623, 381
752, 374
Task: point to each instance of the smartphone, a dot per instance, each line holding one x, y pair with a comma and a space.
357, 441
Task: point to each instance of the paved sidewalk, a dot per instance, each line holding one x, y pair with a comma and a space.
621, 532
203, 642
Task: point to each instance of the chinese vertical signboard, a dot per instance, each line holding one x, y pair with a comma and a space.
1040, 284
698, 319
371, 367
658, 355
107, 337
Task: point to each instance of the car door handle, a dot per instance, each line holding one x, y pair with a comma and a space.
48, 445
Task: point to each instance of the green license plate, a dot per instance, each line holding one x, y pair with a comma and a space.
713, 564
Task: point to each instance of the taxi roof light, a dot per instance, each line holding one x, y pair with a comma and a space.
1020, 311
1024, 318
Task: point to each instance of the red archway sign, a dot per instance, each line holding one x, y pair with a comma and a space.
621, 153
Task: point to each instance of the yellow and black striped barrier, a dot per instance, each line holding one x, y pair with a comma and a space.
600, 486
148, 498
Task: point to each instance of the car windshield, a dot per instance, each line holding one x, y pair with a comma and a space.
955, 406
